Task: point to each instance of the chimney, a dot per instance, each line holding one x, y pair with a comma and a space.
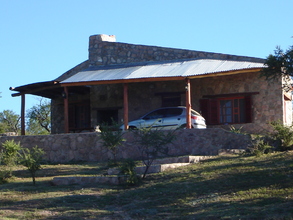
104, 37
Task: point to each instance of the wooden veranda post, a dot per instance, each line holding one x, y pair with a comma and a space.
188, 103
125, 105
66, 120
22, 115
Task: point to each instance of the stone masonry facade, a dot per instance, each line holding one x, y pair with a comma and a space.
108, 53
268, 102
264, 111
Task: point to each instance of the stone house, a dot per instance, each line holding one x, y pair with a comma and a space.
123, 81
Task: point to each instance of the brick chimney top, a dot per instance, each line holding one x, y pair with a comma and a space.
104, 37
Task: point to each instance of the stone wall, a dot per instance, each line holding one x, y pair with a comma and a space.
107, 53
63, 148
267, 102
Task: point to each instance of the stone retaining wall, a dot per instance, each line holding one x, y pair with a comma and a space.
64, 148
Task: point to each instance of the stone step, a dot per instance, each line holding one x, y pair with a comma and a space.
183, 159
161, 165
114, 178
156, 168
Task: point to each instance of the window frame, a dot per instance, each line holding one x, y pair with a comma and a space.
235, 110
210, 108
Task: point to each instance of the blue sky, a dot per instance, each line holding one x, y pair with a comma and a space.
42, 39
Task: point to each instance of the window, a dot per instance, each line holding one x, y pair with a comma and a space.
227, 110
171, 100
107, 116
232, 110
79, 116
156, 114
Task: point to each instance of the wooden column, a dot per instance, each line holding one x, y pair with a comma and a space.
22, 114
188, 103
66, 121
125, 106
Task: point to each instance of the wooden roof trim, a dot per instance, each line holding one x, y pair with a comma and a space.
31, 91
153, 79
231, 72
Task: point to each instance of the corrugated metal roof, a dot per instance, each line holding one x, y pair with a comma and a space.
174, 69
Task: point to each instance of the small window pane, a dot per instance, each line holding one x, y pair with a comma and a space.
242, 110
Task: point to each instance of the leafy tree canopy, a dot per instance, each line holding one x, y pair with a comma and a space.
280, 64
9, 121
39, 118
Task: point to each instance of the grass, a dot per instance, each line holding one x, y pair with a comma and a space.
225, 187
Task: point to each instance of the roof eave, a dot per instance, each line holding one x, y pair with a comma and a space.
152, 79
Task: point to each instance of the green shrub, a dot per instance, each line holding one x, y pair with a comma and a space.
152, 143
236, 130
9, 156
128, 168
32, 160
4, 174
10, 152
259, 148
283, 136
112, 137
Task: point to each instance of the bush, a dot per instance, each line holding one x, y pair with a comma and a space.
259, 148
10, 152
128, 168
112, 138
152, 143
282, 136
4, 174
9, 156
236, 130
32, 160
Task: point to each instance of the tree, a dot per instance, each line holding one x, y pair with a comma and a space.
112, 138
9, 154
9, 121
39, 118
152, 143
32, 160
280, 65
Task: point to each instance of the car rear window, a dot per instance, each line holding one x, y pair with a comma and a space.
195, 113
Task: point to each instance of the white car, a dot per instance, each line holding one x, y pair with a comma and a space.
167, 118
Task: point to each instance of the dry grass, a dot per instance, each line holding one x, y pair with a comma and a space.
229, 187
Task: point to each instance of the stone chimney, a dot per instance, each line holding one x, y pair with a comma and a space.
103, 37
104, 50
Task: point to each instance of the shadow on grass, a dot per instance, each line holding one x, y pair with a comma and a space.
64, 170
221, 188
